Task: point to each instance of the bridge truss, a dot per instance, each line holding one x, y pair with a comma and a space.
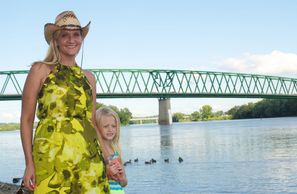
145, 83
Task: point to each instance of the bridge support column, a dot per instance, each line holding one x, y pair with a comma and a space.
165, 117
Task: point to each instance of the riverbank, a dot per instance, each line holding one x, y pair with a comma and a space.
9, 126
6, 188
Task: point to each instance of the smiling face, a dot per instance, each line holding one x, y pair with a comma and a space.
108, 127
69, 42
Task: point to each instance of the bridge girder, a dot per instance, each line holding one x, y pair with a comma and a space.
145, 83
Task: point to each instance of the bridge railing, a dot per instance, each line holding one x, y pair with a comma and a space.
178, 83
146, 83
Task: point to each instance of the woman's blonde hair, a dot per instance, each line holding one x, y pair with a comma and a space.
106, 111
52, 56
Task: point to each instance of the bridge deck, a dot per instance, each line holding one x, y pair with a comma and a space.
131, 83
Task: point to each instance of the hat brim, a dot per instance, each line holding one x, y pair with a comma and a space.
50, 29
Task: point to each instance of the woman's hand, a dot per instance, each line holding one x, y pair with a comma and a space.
29, 177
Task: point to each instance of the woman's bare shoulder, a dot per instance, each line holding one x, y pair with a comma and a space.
40, 70
89, 75
41, 67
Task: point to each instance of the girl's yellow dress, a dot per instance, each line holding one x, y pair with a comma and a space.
66, 151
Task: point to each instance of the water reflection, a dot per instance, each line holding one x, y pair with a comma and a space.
166, 143
166, 138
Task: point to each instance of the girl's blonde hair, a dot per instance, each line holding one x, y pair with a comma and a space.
106, 111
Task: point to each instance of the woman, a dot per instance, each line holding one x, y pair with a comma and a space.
65, 156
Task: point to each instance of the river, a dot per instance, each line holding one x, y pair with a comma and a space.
237, 156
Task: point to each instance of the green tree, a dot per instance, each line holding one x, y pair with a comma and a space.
265, 108
99, 105
177, 117
195, 116
125, 116
243, 111
206, 112
233, 110
218, 114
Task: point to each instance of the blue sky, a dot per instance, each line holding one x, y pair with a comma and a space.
219, 35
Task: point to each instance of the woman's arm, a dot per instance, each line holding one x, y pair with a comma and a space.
29, 100
92, 81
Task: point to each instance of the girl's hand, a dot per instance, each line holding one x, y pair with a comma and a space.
112, 172
29, 177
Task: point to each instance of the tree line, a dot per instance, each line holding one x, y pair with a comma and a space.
265, 108
124, 113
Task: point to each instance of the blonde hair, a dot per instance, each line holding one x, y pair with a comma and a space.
53, 56
106, 111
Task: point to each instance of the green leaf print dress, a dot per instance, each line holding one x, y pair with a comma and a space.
66, 151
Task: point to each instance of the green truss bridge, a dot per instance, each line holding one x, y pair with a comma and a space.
165, 84
130, 83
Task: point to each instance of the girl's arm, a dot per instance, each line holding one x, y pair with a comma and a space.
123, 179
116, 171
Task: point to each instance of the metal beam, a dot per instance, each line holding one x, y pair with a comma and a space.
150, 83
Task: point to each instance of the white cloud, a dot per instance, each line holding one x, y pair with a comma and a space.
274, 63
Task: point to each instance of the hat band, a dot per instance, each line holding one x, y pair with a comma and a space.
71, 26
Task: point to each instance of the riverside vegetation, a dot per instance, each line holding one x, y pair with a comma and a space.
124, 114
266, 108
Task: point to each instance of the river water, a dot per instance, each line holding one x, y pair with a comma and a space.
238, 156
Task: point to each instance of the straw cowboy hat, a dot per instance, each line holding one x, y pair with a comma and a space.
65, 20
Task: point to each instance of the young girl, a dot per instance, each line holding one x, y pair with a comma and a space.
108, 124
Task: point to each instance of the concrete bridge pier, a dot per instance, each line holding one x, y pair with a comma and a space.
165, 117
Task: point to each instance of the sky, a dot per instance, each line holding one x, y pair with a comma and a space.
247, 36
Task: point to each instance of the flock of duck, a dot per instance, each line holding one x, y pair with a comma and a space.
151, 161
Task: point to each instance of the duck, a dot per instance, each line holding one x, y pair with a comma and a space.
180, 160
16, 180
148, 162
153, 160
127, 162
136, 160
166, 160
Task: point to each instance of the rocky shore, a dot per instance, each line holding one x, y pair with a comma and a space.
6, 188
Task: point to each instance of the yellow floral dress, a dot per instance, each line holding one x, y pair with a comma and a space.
66, 151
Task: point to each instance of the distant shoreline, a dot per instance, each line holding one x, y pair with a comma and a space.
16, 126
9, 126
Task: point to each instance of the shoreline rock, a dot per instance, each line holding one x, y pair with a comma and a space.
7, 188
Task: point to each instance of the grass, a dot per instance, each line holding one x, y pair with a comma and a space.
9, 126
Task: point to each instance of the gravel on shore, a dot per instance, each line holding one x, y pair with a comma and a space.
7, 188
